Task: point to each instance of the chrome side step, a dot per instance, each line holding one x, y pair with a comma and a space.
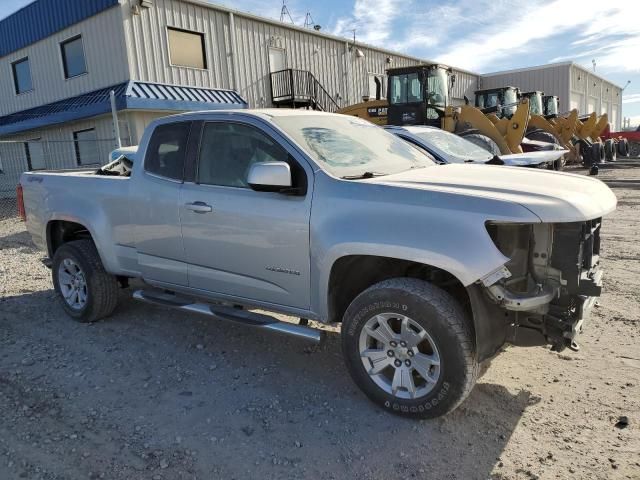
230, 314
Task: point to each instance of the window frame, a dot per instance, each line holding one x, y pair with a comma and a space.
298, 168
187, 155
64, 57
76, 146
203, 43
15, 76
27, 151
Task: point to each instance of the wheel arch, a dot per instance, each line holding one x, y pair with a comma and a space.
352, 274
59, 232
355, 273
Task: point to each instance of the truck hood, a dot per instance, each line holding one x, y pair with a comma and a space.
554, 197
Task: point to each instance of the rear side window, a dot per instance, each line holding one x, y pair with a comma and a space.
167, 150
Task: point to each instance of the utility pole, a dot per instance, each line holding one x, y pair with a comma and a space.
114, 114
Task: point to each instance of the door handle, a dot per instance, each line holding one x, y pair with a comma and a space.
199, 207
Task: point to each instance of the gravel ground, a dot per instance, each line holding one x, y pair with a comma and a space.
157, 394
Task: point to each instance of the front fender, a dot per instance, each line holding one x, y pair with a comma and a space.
440, 230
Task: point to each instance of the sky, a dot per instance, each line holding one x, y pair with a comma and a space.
480, 35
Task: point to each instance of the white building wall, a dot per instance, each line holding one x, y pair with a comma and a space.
552, 80
237, 49
105, 56
594, 94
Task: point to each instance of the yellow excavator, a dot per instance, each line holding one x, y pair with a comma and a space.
421, 95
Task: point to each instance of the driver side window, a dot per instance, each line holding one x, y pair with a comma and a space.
228, 150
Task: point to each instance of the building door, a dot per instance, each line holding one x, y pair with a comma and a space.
576, 102
613, 120
277, 59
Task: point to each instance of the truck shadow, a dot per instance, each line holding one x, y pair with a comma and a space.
21, 240
251, 404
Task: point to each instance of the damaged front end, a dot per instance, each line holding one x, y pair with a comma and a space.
550, 282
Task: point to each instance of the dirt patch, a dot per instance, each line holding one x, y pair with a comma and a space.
156, 394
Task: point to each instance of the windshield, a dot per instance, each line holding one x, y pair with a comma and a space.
349, 146
510, 102
405, 89
552, 106
535, 104
455, 148
437, 91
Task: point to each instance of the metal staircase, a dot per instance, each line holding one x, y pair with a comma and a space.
300, 89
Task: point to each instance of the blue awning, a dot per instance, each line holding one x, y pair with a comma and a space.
130, 95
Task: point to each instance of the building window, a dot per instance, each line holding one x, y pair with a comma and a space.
22, 75
86, 143
73, 57
186, 49
34, 151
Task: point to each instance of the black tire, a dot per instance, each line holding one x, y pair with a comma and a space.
444, 320
101, 287
623, 147
610, 150
546, 137
542, 136
483, 142
597, 152
634, 149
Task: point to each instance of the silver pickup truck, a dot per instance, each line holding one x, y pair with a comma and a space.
430, 269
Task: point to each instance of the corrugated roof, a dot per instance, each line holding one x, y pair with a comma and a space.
130, 95
42, 18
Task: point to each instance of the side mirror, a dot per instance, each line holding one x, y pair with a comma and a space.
270, 177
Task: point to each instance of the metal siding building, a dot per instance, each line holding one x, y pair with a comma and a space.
576, 86
240, 48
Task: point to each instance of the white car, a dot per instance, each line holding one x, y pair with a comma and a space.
450, 148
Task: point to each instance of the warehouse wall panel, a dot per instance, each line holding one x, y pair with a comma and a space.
105, 56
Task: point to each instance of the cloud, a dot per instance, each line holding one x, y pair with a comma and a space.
371, 19
633, 98
533, 26
486, 35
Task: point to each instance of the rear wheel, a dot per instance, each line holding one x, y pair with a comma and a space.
610, 151
597, 152
483, 142
86, 291
623, 147
409, 347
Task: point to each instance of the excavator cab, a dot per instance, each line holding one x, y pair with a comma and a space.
502, 101
536, 106
550, 104
418, 95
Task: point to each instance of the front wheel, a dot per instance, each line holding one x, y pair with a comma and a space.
408, 346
